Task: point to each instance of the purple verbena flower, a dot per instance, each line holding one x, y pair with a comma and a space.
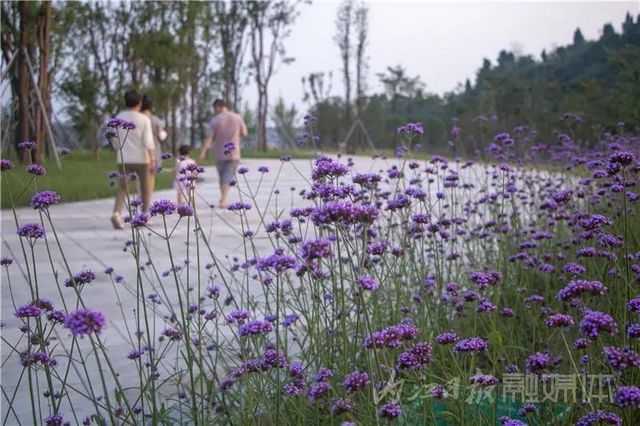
162, 207
84, 322
471, 344
36, 170
42, 200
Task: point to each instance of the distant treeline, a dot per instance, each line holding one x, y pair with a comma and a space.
598, 80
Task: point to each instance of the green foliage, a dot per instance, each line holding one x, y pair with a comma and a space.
81, 178
599, 79
160, 48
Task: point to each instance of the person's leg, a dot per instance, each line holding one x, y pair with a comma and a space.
121, 195
227, 173
146, 185
152, 180
179, 190
224, 189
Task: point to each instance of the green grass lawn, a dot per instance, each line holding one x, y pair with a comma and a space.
84, 178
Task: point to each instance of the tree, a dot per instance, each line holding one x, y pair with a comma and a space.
362, 29
315, 88
26, 40
270, 23
343, 37
24, 85
285, 120
397, 83
231, 23
352, 26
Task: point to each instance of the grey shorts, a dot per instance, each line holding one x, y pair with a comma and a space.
227, 171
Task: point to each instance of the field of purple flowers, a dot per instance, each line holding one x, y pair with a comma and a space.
431, 292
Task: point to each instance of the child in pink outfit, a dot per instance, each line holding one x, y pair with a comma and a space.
182, 185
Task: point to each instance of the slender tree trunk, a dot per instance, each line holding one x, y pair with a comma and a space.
194, 87
174, 135
44, 43
24, 132
93, 140
262, 119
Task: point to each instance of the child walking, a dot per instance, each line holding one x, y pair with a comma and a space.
181, 184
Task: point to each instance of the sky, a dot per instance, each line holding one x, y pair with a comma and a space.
442, 42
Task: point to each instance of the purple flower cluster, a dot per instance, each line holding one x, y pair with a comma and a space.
471, 344
539, 362
341, 406
368, 283
83, 277
42, 200
559, 320
594, 322
27, 145
627, 396
118, 123
483, 380
36, 170
578, 287
315, 249
411, 129
622, 358
238, 317
162, 207
355, 381
28, 358
485, 279
392, 336
32, 231
325, 167
277, 262
255, 328
447, 338
139, 220
28, 311
185, 210
84, 322
344, 212
390, 410
239, 206
6, 165
172, 334
416, 357
599, 417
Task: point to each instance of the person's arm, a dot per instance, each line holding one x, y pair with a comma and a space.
149, 144
205, 147
243, 129
207, 142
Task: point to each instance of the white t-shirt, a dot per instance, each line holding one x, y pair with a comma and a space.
139, 141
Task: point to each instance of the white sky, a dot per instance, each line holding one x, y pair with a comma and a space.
443, 42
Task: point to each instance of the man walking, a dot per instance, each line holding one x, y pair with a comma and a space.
225, 130
137, 154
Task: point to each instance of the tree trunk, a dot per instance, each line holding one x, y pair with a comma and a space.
174, 135
44, 43
24, 86
262, 119
94, 140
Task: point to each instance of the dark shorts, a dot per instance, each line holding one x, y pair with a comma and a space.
227, 171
